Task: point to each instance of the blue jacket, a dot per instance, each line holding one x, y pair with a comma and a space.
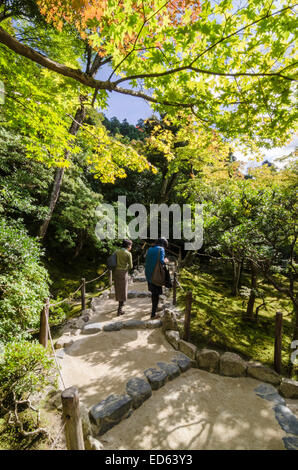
151, 260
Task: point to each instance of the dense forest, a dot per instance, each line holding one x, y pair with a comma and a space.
60, 157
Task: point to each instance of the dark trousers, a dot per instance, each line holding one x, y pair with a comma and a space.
155, 299
156, 291
120, 305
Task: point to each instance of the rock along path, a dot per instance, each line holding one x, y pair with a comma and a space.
197, 410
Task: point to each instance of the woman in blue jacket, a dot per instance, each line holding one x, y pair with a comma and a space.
151, 260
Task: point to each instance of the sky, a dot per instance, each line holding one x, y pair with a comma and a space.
127, 107
124, 106
271, 155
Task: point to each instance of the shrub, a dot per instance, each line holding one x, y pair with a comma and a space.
25, 369
23, 281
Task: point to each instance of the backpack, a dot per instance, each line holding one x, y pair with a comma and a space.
161, 274
112, 261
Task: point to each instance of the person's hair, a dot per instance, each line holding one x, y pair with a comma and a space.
162, 242
126, 243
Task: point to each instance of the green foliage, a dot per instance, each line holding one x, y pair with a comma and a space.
74, 220
41, 106
23, 281
34, 106
60, 313
24, 193
23, 182
252, 219
124, 128
26, 8
25, 367
233, 67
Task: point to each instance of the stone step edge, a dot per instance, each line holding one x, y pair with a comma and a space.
119, 325
181, 361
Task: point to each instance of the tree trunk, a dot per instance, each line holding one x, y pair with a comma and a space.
251, 302
75, 125
80, 244
295, 336
167, 185
53, 200
236, 278
163, 190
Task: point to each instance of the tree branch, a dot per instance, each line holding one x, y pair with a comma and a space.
139, 94
242, 29
88, 79
29, 53
207, 72
76, 74
272, 281
19, 423
190, 66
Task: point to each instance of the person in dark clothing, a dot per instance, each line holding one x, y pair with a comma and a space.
151, 259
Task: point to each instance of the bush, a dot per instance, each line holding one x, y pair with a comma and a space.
25, 369
23, 281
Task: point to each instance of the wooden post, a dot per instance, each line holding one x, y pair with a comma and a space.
187, 316
179, 258
43, 330
110, 278
174, 288
83, 291
72, 418
176, 265
278, 341
138, 262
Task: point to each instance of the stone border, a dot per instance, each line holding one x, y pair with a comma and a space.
232, 365
228, 364
115, 408
284, 416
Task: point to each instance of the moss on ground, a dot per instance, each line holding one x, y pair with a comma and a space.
50, 419
11, 438
217, 317
66, 278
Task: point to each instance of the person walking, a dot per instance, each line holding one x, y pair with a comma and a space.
153, 254
120, 274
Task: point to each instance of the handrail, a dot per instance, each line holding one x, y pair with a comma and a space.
71, 295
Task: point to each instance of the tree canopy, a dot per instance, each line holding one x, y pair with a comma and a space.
229, 63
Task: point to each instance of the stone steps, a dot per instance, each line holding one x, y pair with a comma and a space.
93, 328
133, 294
113, 409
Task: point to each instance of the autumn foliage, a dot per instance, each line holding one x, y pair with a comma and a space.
101, 21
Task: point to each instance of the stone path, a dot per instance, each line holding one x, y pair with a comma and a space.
196, 410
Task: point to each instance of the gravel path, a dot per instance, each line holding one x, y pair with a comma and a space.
196, 410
